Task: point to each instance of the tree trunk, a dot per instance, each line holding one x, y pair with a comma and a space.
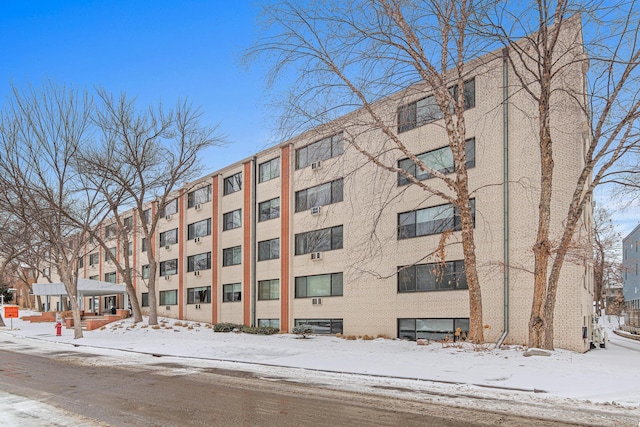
77, 319
151, 286
598, 273
542, 248
153, 303
476, 327
135, 305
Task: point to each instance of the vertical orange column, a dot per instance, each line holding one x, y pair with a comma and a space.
154, 207
214, 252
118, 253
84, 261
100, 257
182, 207
246, 246
285, 171
134, 239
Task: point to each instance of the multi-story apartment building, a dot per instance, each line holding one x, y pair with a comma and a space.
310, 231
631, 277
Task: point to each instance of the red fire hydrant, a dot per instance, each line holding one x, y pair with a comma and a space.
58, 329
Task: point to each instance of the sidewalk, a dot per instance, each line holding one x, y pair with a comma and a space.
607, 380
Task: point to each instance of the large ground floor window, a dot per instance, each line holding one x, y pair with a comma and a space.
169, 297
431, 329
273, 323
322, 326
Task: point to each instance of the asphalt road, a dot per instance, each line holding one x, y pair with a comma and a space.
171, 394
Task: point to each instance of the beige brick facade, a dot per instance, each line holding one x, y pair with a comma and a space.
370, 301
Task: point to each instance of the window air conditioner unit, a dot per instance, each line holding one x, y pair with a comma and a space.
168, 217
196, 273
197, 240
316, 210
167, 277
316, 256
168, 247
316, 165
198, 206
316, 301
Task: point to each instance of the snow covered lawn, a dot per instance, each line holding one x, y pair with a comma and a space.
599, 379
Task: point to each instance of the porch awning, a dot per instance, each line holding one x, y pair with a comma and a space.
86, 287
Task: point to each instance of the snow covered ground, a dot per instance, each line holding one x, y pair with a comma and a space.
604, 384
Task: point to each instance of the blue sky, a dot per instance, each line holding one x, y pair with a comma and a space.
151, 49
157, 50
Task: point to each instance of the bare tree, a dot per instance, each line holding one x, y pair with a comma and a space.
41, 130
606, 263
23, 259
13, 242
142, 156
349, 54
554, 44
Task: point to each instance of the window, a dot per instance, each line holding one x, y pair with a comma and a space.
199, 229
426, 110
168, 268
110, 230
231, 292
469, 93
144, 244
145, 299
113, 252
269, 249
232, 220
110, 277
96, 277
433, 220
440, 159
320, 150
147, 215
319, 240
233, 183
128, 222
129, 249
201, 295
145, 271
110, 302
269, 209
432, 277
269, 289
169, 237
322, 285
271, 323
232, 256
199, 196
431, 329
169, 297
80, 262
199, 262
94, 259
269, 170
170, 208
322, 326
320, 195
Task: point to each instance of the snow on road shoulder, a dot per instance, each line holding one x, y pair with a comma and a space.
601, 378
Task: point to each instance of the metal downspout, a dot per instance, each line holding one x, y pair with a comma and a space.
254, 244
505, 186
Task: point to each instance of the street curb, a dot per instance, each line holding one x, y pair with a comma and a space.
270, 365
